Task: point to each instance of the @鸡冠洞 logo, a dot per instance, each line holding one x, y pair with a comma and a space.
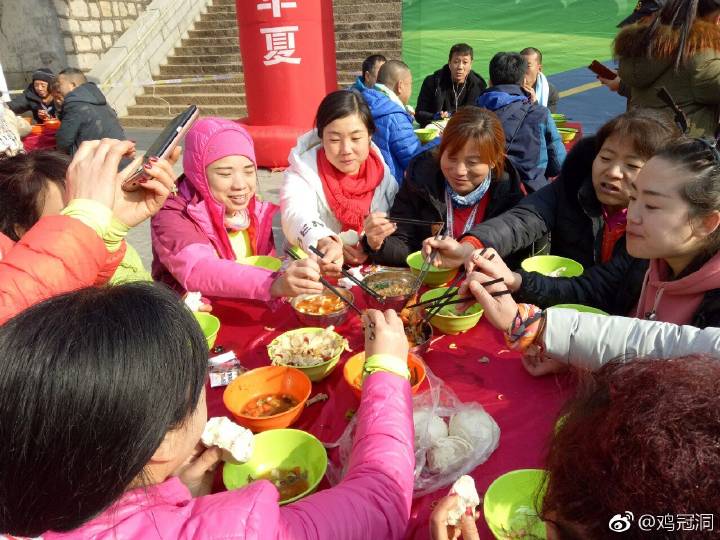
621, 522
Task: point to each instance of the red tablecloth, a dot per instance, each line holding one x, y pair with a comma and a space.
44, 141
524, 407
578, 136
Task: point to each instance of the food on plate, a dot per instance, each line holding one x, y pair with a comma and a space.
306, 349
448, 453
391, 288
523, 521
429, 428
289, 482
320, 304
235, 441
464, 488
350, 238
475, 426
269, 405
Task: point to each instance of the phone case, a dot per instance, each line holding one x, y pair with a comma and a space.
602, 70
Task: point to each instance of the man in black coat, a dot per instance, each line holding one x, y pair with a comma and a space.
449, 88
86, 115
37, 97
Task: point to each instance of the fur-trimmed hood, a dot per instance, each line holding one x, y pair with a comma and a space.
642, 70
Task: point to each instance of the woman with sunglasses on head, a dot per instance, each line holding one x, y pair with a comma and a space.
680, 51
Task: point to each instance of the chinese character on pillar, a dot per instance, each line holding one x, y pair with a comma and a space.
280, 45
276, 5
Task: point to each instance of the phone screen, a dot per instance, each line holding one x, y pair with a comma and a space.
160, 145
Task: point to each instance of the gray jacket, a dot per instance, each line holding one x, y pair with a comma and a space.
589, 341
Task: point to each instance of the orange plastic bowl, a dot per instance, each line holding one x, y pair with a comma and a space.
353, 372
262, 381
36, 129
53, 124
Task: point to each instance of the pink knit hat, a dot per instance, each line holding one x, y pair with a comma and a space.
228, 139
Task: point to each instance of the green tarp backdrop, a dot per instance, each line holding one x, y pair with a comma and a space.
570, 33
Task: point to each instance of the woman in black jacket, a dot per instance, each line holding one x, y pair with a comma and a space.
464, 182
583, 211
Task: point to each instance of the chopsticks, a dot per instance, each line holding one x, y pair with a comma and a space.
347, 274
328, 286
409, 221
450, 293
470, 299
425, 268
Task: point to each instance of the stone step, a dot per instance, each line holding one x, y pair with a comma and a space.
364, 7
366, 25
210, 87
389, 17
230, 8
210, 42
193, 70
225, 111
220, 16
374, 35
223, 3
355, 58
219, 36
212, 50
196, 98
344, 3
354, 65
362, 46
204, 59
203, 24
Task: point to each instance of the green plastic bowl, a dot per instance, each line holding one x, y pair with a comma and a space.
314, 373
509, 504
552, 265
449, 324
263, 261
560, 119
582, 309
210, 325
283, 449
435, 276
426, 134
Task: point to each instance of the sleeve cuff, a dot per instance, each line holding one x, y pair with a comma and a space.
468, 239
388, 363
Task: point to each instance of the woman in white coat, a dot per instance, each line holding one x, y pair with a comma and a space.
336, 178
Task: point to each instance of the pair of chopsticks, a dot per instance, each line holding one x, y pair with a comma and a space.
331, 288
409, 221
425, 268
346, 272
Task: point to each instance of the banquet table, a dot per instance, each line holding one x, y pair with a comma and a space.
41, 141
476, 365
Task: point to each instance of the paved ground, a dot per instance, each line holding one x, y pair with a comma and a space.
139, 237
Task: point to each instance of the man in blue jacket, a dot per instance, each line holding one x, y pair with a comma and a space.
532, 141
394, 133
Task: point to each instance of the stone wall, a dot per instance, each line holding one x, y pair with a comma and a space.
90, 27
29, 38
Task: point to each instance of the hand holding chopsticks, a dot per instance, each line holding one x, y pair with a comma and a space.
330, 287
347, 274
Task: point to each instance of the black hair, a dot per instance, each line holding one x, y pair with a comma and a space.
647, 130
90, 383
527, 51
342, 103
369, 63
701, 159
74, 74
508, 68
24, 180
463, 49
680, 14
391, 72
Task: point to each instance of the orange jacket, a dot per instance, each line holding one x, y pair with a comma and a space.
58, 255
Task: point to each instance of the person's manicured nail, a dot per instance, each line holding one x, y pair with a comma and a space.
154, 159
143, 180
469, 511
148, 166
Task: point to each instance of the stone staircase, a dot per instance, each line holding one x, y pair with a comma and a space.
362, 28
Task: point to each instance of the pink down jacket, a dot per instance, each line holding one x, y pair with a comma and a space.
191, 249
372, 501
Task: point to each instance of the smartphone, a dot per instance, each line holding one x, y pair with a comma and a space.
603, 71
164, 144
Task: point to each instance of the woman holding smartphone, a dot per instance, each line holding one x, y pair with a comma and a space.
203, 234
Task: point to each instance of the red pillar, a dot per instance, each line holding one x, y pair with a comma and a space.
288, 56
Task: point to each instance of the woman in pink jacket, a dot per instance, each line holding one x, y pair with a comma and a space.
203, 234
102, 435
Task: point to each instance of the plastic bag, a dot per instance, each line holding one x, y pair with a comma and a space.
438, 400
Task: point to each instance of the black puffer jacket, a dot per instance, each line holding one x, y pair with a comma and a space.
30, 101
86, 116
436, 94
422, 196
568, 210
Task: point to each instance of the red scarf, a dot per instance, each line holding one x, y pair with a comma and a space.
350, 195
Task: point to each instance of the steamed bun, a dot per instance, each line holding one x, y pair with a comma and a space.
428, 428
474, 426
447, 453
464, 488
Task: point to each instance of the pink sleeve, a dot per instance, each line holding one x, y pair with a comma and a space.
373, 500
198, 268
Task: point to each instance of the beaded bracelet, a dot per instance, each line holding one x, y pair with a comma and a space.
525, 327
